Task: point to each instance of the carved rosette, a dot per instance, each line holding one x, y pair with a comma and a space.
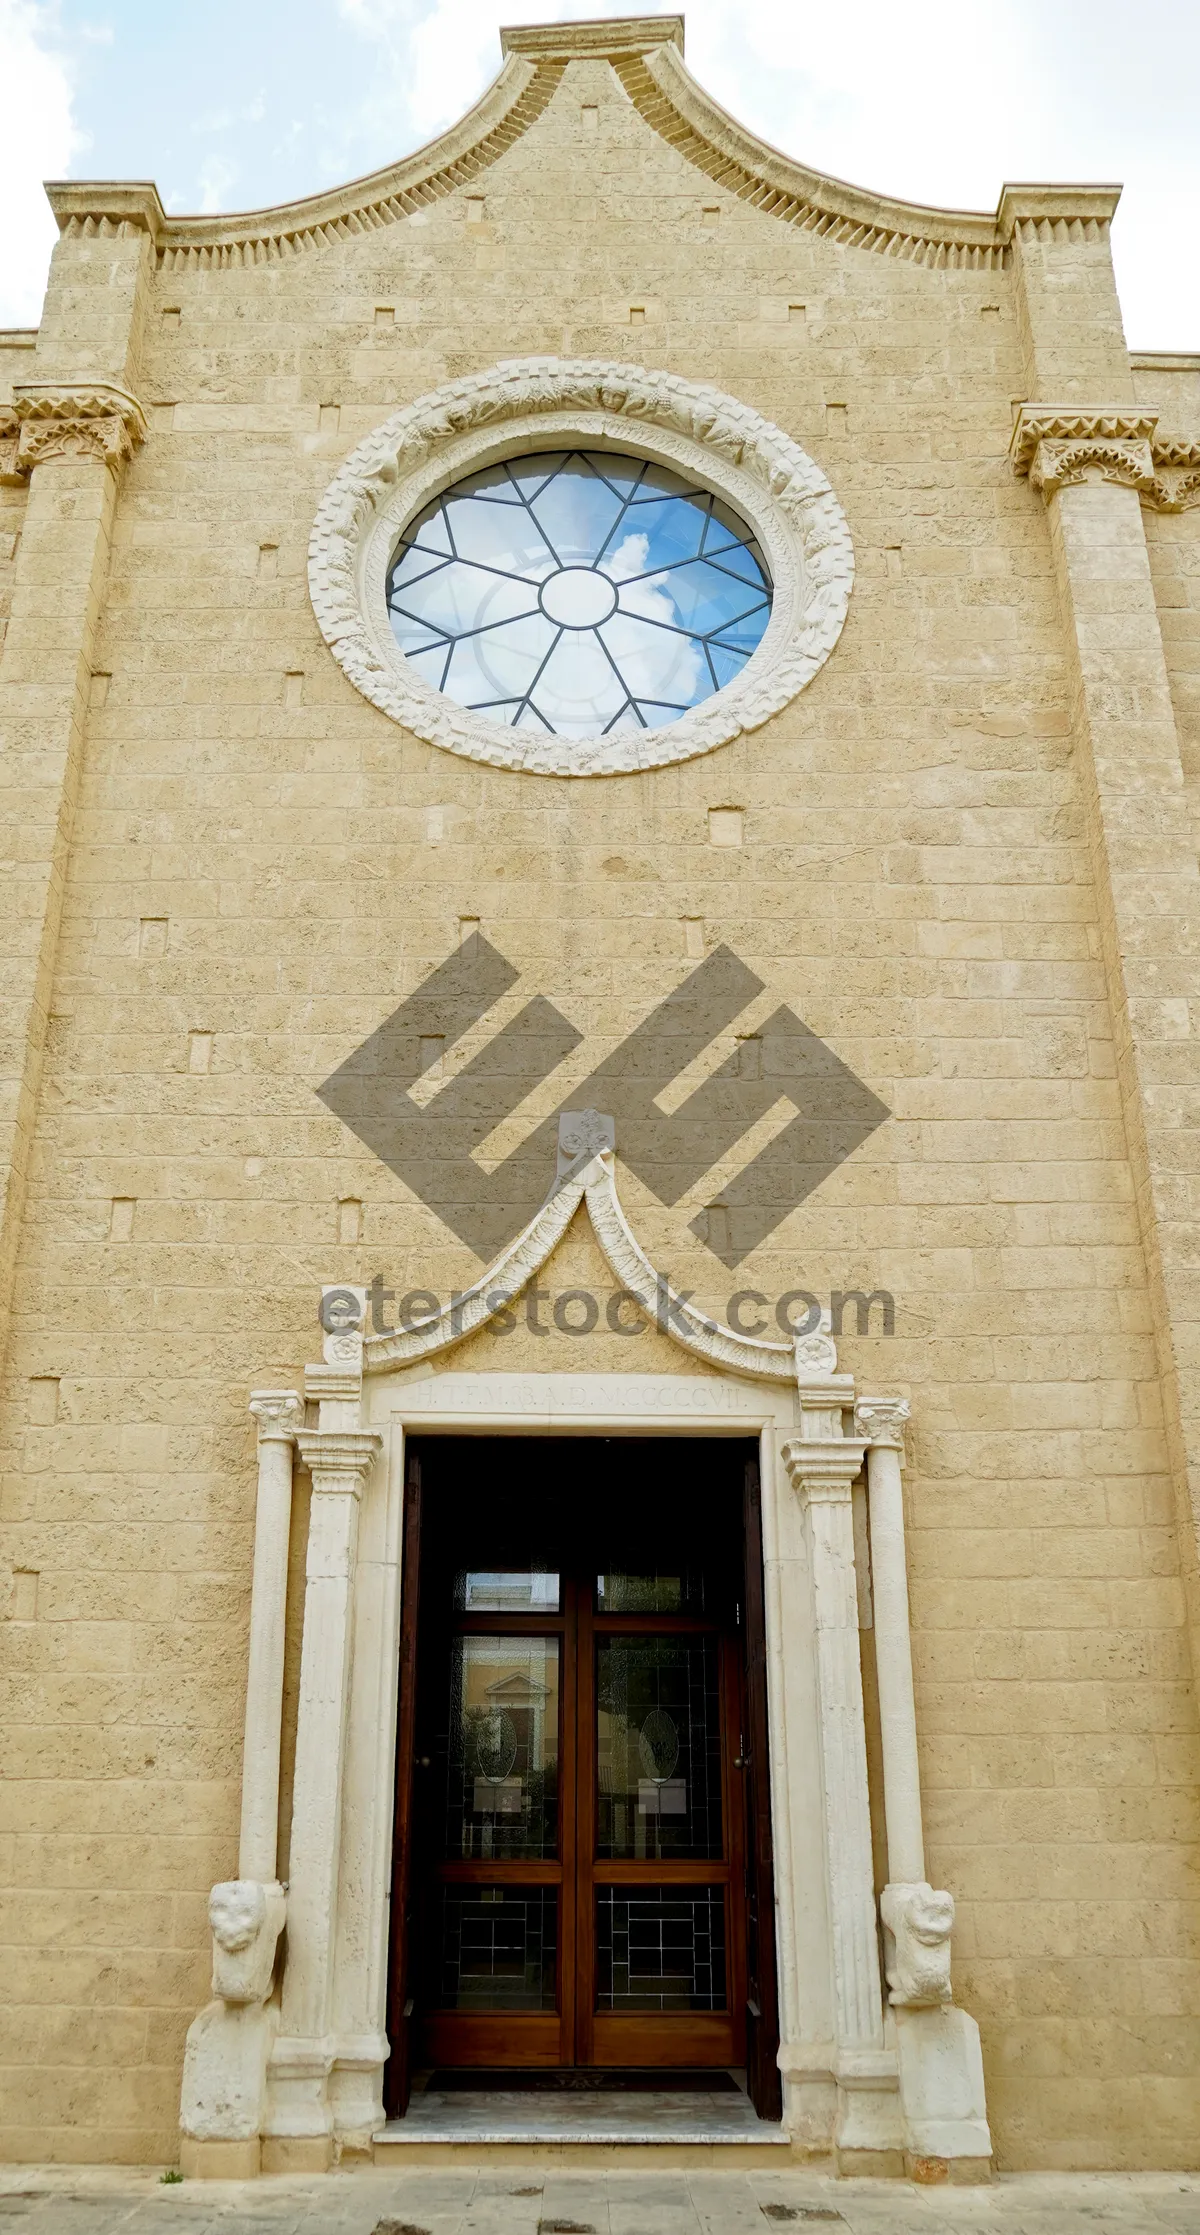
88, 419
1058, 446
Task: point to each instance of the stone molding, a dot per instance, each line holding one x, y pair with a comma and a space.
603, 38
76, 419
339, 1459
646, 56
593, 1182
513, 102
1060, 445
697, 429
823, 1472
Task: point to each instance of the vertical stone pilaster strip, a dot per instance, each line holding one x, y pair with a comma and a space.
823, 1476
279, 1413
76, 425
339, 1460
1091, 465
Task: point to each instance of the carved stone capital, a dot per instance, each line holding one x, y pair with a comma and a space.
823, 1473
279, 1413
1176, 473
246, 1918
919, 1922
11, 476
85, 419
880, 1420
339, 1459
1058, 445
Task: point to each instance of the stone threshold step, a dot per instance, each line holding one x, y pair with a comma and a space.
645, 2151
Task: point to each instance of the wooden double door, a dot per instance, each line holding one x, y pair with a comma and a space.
583, 1834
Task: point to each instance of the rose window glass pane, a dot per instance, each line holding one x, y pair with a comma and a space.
578, 593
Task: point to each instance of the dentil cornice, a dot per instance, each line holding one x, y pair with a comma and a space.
646, 54
76, 419
1060, 445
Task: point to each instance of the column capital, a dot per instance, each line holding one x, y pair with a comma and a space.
880, 1421
75, 419
339, 1458
279, 1414
824, 1472
1059, 445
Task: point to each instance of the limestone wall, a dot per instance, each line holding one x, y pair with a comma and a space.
262, 866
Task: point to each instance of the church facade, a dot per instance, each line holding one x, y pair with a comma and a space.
601, 1410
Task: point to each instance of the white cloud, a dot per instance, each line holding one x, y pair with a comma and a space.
38, 141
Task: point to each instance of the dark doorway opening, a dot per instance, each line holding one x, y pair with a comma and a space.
582, 1878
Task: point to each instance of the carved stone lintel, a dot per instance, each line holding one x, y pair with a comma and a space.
85, 419
246, 1919
279, 1413
880, 1420
919, 1921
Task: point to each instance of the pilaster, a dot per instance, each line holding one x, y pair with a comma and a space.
822, 1468
299, 2126
76, 423
1091, 453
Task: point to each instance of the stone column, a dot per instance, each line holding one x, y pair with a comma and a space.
75, 423
946, 2132
1089, 452
298, 2134
822, 1465
279, 1413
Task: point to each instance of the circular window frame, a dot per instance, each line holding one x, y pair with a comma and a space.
534, 404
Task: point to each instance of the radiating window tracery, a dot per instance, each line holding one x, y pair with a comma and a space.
578, 593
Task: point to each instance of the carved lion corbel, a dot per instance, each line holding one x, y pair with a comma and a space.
918, 1921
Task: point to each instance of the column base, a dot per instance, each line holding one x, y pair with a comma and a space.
942, 2094
220, 2161
297, 2153
935, 2172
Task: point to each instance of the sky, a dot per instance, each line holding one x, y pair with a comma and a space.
237, 104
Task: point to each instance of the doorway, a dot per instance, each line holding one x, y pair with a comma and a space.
582, 1873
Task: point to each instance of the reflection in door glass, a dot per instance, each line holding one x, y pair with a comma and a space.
660, 1948
658, 1747
623, 1593
506, 1591
498, 1948
502, 1750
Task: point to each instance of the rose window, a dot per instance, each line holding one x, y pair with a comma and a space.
579, 593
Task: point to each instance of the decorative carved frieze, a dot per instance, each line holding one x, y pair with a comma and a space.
1059, 445
85, 419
